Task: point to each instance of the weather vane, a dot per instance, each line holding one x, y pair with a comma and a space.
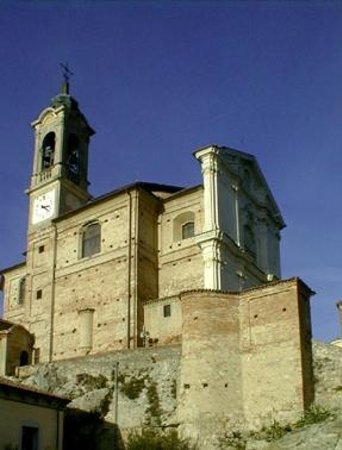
66, 72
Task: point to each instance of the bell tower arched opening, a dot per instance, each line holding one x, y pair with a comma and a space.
73, 158
48, 150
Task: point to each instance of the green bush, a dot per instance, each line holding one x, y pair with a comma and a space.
131, 387
151, 439
90, 381
237, 440
274, 432
234, 440
315, 414
154, 410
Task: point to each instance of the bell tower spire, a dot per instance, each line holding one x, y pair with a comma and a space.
59, 179
66, 78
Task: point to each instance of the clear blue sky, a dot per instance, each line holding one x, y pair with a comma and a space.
160, 79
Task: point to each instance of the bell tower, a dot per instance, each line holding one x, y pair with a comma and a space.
59, 181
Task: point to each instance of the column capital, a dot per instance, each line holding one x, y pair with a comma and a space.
205, 152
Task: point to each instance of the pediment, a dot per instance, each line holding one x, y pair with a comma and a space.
47, 115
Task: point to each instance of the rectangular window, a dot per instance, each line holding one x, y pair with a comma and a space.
91, 240
39, 294
41, 249
167, 310
21, 295
188, 230
29, 438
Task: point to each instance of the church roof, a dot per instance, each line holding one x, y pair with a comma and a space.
29, 393
149, 187
152, 188
15, 266
258, 287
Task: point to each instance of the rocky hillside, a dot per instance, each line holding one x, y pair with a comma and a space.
147, 384
147, 396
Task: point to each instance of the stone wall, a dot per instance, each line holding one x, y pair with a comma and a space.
327, 375
163, 321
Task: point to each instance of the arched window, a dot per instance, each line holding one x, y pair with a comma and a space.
24, 358
73, 158
91, 239
184, 226
21, 293
48, 150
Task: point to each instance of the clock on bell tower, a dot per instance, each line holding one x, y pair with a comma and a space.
59, 181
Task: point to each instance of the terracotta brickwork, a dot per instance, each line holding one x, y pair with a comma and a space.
248, 351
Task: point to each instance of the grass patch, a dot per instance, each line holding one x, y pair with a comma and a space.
315, 414
272, 433
237, 440
152, 439
91, 382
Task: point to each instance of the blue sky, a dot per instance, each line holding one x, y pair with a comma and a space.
159, 79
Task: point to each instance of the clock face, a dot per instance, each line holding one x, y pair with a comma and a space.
43, 207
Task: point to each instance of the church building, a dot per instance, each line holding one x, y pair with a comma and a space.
105, 273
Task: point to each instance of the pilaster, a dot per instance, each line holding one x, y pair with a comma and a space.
208, 157
213, 261
210, 240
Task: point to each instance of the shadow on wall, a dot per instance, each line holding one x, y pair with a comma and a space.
87, 431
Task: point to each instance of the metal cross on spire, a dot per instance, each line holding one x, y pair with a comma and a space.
66, 72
